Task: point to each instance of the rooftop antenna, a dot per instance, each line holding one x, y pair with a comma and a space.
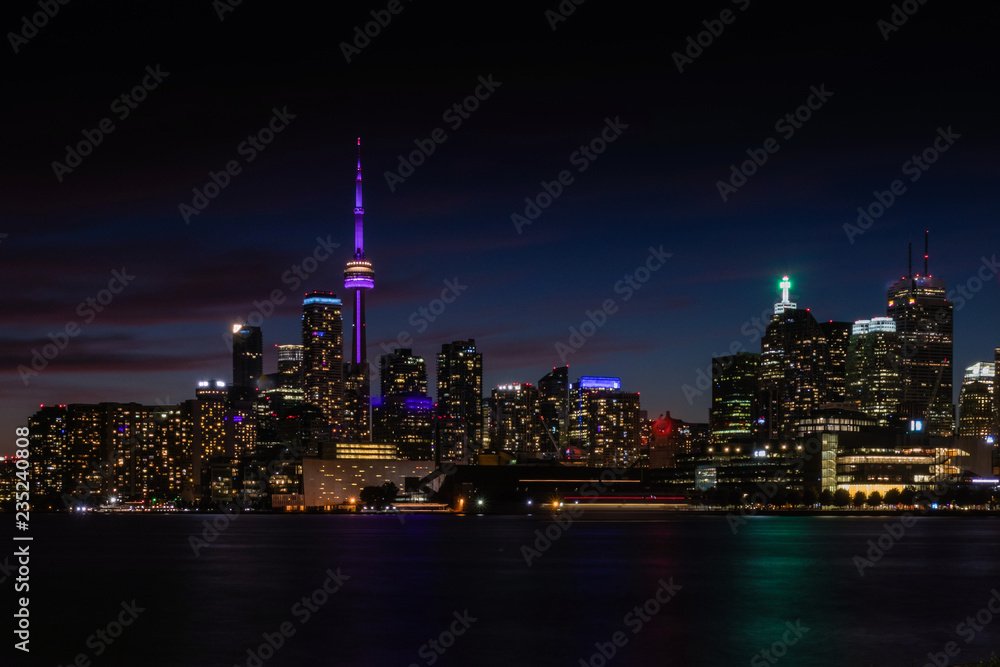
926, 234
909, 263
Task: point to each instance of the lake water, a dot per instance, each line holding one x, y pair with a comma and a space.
788, 585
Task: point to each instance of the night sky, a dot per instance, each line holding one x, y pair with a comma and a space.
553, 91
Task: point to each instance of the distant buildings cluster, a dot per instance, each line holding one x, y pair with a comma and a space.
874, 398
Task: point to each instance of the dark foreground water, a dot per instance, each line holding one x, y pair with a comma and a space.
402, 585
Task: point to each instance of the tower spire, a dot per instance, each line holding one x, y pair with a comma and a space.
359, 212
359, 277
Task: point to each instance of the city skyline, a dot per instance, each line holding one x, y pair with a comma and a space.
177, 280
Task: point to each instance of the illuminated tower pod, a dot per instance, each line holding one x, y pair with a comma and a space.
925, 322
359, 277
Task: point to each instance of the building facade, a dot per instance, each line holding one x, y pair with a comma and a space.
323, 358
874, 383
735, 392
460, 392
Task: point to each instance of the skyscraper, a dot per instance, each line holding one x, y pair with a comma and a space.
552, 409
404, 415
735, 389
402, 372
794, 360
248, 357
359, 277
49, 458
323, 358
976, 400
838, 339
514, 426
874, 383
290, 364
605, 421
460, 391
925, 321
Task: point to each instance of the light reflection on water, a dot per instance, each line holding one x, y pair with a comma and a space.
407, 580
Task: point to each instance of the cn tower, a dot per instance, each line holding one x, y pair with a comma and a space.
359, 277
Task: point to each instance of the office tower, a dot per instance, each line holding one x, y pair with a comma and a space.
735, 389
286, 384
838, 339
604, 421
552, 408
248, 357
401, 372
514, 426
794, 359
405, 414
924, 321
874, 382
976, 400
323, 359
359, 277
290, 364
460, 394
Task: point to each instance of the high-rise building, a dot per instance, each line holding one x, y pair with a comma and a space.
323, 358
209, 417
248, 357
794, 359
735, 390
405, 420
552, 409
48, 451
404, 416
838, 339
460, 391
874, 382
604, 421
88, 458
290, 364
514, 426
925, 321
976, 400
402, 372
359, 277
